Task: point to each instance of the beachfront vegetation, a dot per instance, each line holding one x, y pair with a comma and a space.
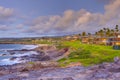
88, 54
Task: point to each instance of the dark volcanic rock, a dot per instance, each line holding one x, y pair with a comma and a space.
17, 78
45, 58
24, 70
12, 53
44, 53
4, 54
20, 50
116, 70
68, 78
13, 58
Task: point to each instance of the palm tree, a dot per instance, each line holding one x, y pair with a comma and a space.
79, 34
90, 40
96, 33
89, 34
112, 32
104, 29
83, 33
116, 28
101, 33
108, 32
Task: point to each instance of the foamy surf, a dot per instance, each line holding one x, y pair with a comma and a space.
5, 57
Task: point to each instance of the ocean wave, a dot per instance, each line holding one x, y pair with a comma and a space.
9, 62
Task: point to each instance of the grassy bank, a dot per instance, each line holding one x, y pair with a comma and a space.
88, 54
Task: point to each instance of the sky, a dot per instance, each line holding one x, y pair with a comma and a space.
36, 18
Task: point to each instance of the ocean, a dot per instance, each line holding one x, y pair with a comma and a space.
5, 56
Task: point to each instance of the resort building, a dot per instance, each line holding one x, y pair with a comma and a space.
100, 40
72, 37
114, 40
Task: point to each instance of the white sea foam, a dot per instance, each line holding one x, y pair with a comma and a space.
6, 60
25, 54
9, 62
29, 46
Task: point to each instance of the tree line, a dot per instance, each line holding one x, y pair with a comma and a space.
105, 32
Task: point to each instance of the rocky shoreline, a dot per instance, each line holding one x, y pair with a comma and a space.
41, 53
45, 67
45, 57
105, 71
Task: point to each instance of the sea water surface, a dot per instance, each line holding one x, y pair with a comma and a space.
5, 60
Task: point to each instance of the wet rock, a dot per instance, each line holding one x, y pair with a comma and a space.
45, 58
4, 54
24, 50
40, 52
24, 70
68, 78
17, 78
24, 57
12, 53
13, 58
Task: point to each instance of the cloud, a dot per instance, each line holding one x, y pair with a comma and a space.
4, 28
112, 10
19, 26
75, 21
104, 1
6, 13
8, 19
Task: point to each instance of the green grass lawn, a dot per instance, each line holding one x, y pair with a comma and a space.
88, 54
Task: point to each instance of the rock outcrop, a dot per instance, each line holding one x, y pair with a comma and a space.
43, 53
105, 71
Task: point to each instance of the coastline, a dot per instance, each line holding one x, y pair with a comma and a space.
47, 68
42, 52
105, 71
45, 58
10, 53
